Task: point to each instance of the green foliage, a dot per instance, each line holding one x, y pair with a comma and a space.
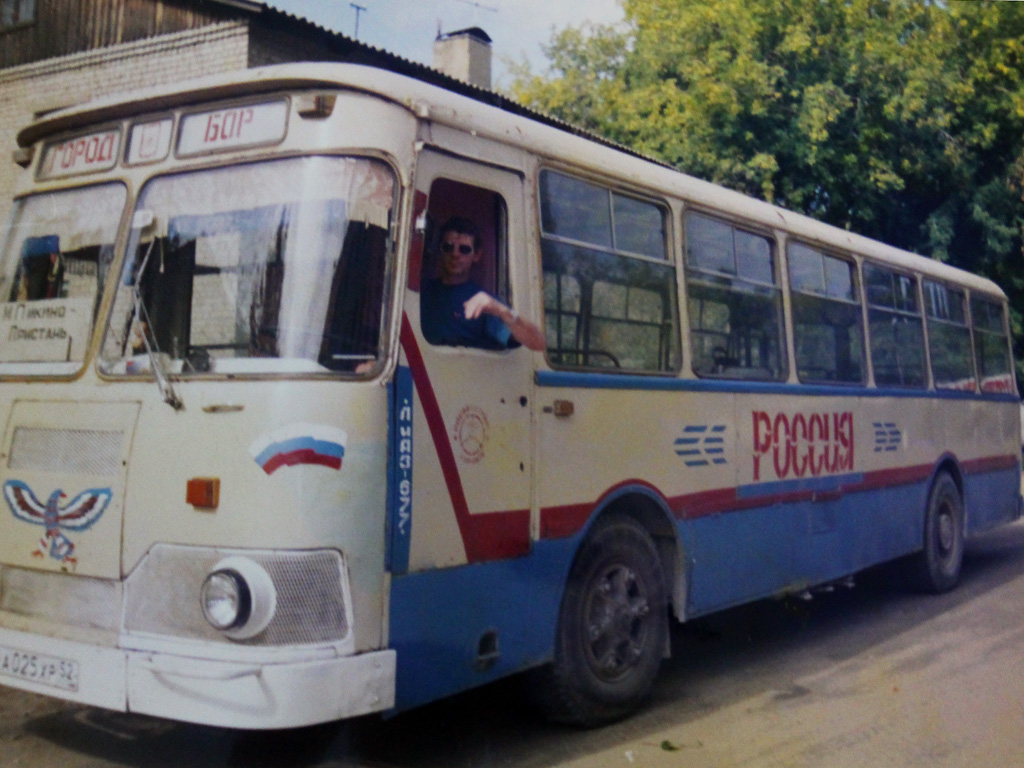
902, 120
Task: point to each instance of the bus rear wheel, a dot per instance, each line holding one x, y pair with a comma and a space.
612, 628
936, 568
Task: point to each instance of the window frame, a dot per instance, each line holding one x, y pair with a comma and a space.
115, 366
712, 279
944, 323
492, 274
869, 306
670, 344
858, 303
1003, 334
106, 264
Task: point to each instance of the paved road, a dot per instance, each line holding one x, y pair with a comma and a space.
865, 677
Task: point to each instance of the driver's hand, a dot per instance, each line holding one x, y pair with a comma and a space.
481, 304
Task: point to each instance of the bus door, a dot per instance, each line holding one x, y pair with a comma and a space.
461, 466
470, 405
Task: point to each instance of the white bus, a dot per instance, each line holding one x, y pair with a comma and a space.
243, 487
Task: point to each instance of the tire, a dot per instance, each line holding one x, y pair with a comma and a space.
936, 568
612, 628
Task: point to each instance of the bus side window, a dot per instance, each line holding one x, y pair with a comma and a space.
609, 287
734, 301
827, 329
949, 338
991, 346
896, 328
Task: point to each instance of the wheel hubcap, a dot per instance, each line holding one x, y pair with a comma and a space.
615, 625
945, 532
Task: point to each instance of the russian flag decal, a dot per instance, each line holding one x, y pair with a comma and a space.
299, 444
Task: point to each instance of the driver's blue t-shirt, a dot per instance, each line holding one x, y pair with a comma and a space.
443, 318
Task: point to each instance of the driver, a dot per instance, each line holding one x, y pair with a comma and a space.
456, 311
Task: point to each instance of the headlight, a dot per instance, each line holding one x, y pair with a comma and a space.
238, 598
226, 599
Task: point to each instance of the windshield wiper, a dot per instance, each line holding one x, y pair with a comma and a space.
142, 220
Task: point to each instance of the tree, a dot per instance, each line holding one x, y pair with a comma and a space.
901, 120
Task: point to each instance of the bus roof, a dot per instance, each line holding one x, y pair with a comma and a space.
503, 121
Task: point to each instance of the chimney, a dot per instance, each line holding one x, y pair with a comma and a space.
465, 55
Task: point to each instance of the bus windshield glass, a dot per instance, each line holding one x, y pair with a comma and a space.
56, 254
275, 267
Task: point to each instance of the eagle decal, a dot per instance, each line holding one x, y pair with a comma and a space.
77, 515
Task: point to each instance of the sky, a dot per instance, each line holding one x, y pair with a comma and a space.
517, 28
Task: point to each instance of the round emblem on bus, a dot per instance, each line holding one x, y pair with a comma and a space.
471, 433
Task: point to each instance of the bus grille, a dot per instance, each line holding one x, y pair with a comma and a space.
312, 589
61, 598
83, 451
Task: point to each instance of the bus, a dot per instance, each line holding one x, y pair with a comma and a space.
242, 487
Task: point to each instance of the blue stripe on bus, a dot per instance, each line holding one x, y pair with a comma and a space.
438, 617
398, 522
392, 481
587, 380
768, 549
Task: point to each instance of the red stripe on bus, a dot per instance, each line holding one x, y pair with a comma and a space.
567, 520
989, 464
885, 478
560, 522
486, 536
705, 503
497, 535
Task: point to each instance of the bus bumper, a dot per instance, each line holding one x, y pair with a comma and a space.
220, 693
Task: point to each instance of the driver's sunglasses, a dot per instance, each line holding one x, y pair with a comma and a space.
464, 249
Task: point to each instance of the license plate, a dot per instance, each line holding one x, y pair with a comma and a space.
39, 668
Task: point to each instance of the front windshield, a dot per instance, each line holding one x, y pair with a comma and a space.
56, 253
277, 267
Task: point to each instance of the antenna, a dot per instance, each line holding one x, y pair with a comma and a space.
359, 9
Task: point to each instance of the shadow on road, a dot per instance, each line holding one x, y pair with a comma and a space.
718, 661
137, 740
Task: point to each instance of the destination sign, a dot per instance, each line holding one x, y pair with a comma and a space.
49, 330
83, 154
232, 128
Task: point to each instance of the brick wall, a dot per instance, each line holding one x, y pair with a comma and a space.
269, 46
46, 85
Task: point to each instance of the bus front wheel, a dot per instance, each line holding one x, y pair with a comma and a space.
612, 628
936, 568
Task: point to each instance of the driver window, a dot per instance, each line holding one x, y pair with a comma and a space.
466, 252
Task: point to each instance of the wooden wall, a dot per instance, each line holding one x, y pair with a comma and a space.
72, 26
